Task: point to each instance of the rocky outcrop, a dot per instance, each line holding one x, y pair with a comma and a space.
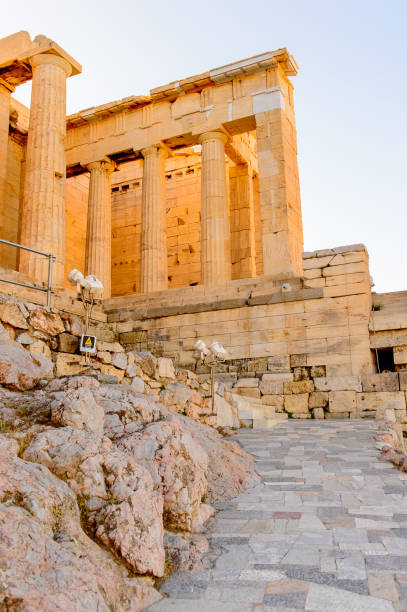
48, 562
178, 465
20, 370
119, 500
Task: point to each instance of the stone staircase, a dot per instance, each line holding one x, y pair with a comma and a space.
252, 413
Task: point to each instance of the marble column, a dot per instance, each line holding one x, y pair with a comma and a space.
215, 229
4, 128
98, 258
153, 256
43, 216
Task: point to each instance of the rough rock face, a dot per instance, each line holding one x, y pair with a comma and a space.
20, 370
119, 498
177, 463
79, 409
48, 562
230, 468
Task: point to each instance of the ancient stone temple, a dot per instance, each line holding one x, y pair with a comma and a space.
186, 204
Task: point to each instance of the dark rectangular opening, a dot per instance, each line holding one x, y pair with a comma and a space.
386, 360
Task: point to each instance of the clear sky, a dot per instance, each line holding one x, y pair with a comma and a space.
350, 93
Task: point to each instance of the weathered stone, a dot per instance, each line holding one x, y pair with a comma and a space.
68, 343
104, 357
11, 314
342, 401
380, 400
25, 339
119, 360
318, 371
298, 360
403, 380
177, 463
111, 347
247, 382
400, 357
278, 363
338, 383
318, 399
301, 373
301, 386
137, 384
277, 401
165, 369
79, 410
20, 370
146, 361
278, 377
388, 381
249, 392
47, 322
68, 365
271, 387
40, 349
125, 512
296, 404
318, 413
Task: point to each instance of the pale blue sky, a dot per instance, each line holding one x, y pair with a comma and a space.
350, 94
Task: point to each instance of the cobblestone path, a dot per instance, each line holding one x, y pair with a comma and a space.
326, 530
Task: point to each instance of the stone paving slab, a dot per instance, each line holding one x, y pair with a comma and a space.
325, 530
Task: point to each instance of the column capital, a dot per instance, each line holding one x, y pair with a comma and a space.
154, 150
221, 136
54, 60
106, 165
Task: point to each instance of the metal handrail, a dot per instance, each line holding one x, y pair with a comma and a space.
51, 259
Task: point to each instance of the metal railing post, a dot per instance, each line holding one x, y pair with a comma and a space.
49, 288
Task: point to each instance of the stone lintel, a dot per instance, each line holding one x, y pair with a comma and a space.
17, 50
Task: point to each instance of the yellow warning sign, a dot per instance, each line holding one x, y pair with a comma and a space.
88, 344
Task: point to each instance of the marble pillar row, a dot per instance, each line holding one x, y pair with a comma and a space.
153, 256
215, 228
43, 218
98, 258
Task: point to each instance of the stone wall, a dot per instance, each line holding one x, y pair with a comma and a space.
324, 317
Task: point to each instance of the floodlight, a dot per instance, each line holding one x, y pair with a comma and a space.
218, 351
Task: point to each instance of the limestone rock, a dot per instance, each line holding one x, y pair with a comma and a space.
41, 537
68, 343
122, 505
69, 365
247, 382
25, 339
47, 322
19, 370
230, 469
40, 349
177, 463
79, 410
147, 362
165, 369
342, 401
296, 404
119, 360
137, 384
186, 550
11, 314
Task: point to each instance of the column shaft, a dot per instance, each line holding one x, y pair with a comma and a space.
4, 128
153, 256
43, 219
215, 232
98, 258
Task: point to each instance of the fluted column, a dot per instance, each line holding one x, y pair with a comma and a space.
98, 258
215, 229
4, 129
43, 218
153, 256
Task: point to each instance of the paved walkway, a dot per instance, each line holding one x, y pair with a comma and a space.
326, 530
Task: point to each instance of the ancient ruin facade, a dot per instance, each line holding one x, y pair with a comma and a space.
186, 204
